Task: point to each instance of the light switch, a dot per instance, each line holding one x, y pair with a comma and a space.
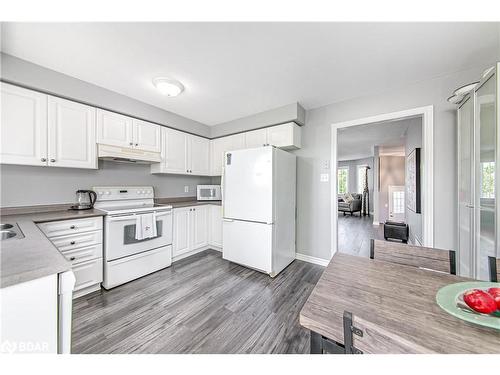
326, 164
324, 177
186, 189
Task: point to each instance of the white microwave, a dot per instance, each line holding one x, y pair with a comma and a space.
209, 193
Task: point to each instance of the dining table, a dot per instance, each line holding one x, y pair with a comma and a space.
397, 300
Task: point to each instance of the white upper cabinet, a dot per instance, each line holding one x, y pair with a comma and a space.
256, 138
286, 136
23, 126
123, 131
222, 145
114, 129
147, 136
71, 134
182, 153
198, 155
173, 153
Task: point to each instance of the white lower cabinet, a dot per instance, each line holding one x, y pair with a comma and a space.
215, 226
80, 241
28, 317
192, 229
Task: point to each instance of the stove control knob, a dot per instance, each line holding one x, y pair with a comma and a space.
100, 193
107, 193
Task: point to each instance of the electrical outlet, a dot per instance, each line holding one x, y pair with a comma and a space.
186, 189
324, 177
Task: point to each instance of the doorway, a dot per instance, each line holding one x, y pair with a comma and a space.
427, 194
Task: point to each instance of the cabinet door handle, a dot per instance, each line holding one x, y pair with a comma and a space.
72, 258
137, 144
52, 160
72, 242
72, 227
131, 143
43, 159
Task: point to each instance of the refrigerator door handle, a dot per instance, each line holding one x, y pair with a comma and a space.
228, 220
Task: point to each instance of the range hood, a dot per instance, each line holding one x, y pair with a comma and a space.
127, 155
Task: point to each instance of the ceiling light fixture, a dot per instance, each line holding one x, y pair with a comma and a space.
461, 91
167, 86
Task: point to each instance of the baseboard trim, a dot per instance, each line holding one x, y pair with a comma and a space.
195, 251
310, 259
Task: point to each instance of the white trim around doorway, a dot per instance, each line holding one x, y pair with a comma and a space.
427, 114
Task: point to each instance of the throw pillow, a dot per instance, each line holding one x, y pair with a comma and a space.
348, 198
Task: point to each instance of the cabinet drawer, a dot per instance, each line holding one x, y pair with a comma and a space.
61, 228
83, 254
75, 241
88, 273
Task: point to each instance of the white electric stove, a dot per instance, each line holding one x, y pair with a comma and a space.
125, 257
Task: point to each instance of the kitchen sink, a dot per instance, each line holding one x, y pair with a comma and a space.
10, 231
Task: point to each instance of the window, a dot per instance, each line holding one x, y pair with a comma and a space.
342, 180
361, 178
398, 202
488, 180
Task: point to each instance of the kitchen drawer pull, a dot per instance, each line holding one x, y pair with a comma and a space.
72, 227
137, 144
52, 160
72, 242
131, 143
43, 159
72, 258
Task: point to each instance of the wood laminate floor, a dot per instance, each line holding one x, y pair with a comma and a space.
355, 232
201, 304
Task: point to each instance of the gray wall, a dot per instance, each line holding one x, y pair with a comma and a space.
290, 112
26, 185
313, 196
392, 172
353, 175
414, 220
35, 76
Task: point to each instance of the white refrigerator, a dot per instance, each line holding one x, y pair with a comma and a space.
258, 193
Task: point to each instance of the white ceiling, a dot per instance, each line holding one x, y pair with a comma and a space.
357, 142
231, 70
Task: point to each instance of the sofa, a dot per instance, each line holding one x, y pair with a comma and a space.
354, 206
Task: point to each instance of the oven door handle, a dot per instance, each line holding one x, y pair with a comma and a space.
132, 217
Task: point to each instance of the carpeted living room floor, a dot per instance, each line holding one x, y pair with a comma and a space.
355, 232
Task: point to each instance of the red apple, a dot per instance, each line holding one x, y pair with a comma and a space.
495, 293
480, 301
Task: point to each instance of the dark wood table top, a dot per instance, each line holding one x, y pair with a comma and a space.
399, 299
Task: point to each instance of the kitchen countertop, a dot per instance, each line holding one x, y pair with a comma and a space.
183, 202
34, 256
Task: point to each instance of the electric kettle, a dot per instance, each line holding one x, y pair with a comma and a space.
85, 200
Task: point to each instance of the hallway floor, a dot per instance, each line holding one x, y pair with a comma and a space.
355, 232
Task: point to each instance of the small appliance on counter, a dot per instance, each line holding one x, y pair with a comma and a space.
209, 193
85, 200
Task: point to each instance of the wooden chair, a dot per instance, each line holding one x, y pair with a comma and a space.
416, 256
364, 337
494, 268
